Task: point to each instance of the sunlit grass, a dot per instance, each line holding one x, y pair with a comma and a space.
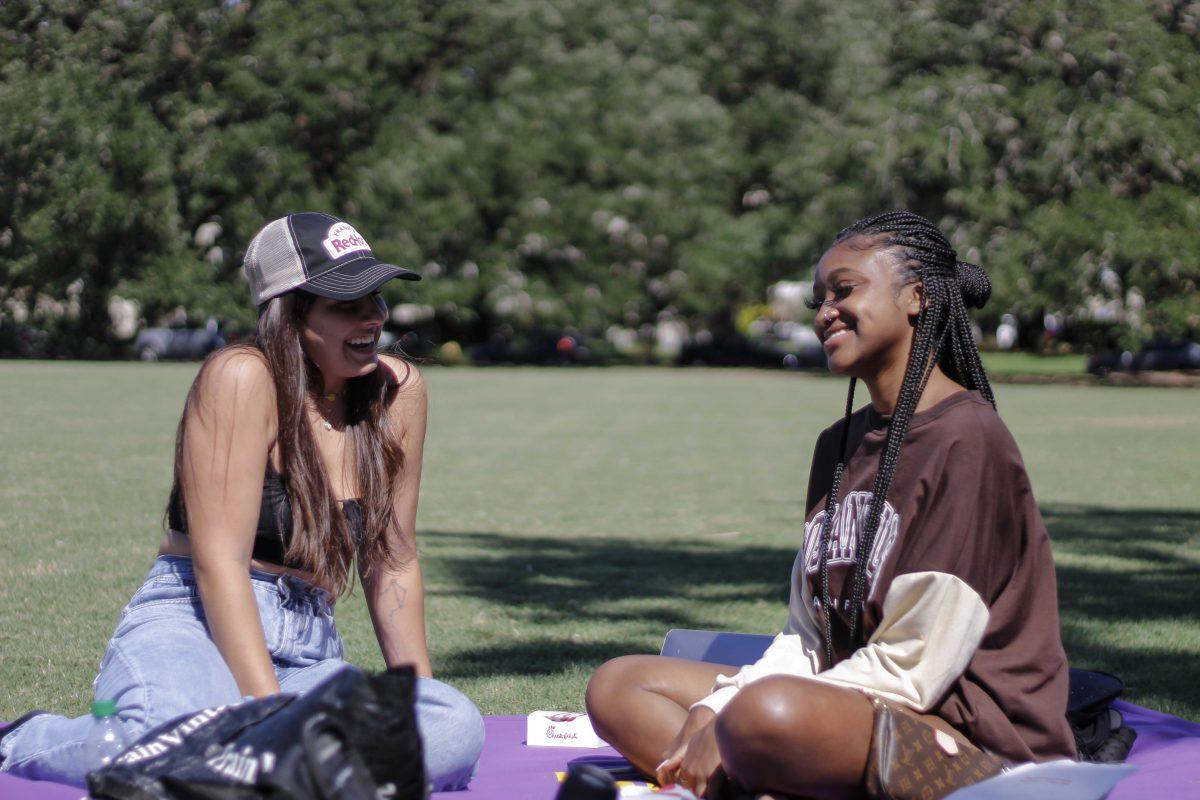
568, 516
1012, 364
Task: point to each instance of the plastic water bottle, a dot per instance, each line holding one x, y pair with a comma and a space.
106, 739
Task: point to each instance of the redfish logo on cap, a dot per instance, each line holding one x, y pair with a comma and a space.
343, 239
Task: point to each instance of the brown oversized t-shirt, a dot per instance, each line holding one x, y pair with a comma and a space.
961, 616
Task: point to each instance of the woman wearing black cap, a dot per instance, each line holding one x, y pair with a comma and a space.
298, 459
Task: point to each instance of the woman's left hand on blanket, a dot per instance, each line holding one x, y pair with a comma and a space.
697, 765
697, 719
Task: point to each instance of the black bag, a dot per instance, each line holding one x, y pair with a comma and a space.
351, 737
1101, 734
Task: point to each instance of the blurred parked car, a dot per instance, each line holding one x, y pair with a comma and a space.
543, 348
24, 340
1154, 356
153, 344
797, 347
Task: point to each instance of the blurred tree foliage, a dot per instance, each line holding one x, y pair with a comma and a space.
591, 163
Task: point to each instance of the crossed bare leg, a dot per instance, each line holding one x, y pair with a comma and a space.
779, 737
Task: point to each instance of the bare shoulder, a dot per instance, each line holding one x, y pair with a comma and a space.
236, 377
407, 401
404, 377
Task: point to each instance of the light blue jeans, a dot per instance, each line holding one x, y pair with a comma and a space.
161, 663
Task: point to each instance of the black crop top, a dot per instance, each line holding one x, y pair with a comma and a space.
274, 532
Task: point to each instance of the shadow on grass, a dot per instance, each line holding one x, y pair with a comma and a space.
580, 579
532, 657
609, 588
1144, 573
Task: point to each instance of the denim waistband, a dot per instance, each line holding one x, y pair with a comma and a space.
293, 592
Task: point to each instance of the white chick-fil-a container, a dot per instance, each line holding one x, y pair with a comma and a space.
560, 729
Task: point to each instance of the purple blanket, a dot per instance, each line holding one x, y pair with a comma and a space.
1167, 753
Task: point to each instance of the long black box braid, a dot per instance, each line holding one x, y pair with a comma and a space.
942, 337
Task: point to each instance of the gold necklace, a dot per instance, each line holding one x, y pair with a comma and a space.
328, 397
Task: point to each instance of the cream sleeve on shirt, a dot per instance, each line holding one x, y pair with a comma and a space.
932, 624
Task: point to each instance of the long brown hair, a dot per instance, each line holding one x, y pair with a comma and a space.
322, 542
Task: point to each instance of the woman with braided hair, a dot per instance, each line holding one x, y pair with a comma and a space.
925, 581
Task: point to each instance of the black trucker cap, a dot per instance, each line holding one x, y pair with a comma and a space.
318, 253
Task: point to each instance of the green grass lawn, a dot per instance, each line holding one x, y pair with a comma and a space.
569, 516
1023, 364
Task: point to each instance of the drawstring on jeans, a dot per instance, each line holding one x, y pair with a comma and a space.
296, 595
285, 591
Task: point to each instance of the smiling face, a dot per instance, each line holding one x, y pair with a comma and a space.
340, 336
865, 313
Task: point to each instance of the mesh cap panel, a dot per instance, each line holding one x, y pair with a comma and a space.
272, 264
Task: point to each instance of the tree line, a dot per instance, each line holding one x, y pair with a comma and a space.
597, 165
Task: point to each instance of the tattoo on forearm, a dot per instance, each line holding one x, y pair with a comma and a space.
395, 596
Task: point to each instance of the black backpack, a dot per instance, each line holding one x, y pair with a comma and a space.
1101, 734
352, 737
